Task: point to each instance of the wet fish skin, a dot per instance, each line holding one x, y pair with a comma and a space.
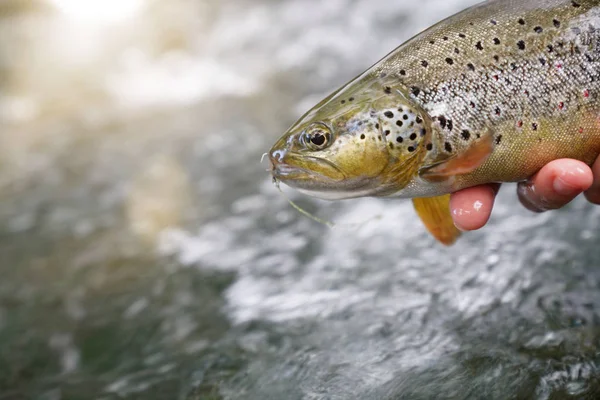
491, 94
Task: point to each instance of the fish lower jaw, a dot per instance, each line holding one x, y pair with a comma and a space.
326, 189
335, 195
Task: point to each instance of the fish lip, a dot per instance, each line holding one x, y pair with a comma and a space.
303, 179
283, 170
287, 173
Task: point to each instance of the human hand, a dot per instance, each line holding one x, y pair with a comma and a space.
554, 186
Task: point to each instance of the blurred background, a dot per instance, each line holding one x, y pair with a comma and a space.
145, 254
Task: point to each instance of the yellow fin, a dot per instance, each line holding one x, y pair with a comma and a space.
467, 161
435, 214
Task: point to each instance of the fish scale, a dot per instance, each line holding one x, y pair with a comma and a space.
500, 89
517, 96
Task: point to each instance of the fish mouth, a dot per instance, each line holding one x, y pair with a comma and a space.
318, 177
293, 169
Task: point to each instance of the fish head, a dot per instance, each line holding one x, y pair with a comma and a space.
363, 140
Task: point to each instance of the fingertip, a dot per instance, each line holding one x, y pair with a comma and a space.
571, 177
471, 208
555, 185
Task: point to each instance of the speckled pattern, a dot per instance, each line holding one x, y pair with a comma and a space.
524, 75
526, 71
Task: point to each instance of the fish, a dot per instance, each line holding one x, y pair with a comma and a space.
491, 94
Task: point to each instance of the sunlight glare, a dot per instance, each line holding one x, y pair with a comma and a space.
98, 11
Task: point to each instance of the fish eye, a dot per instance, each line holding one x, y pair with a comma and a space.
317, 137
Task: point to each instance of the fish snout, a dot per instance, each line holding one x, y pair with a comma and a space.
276, 158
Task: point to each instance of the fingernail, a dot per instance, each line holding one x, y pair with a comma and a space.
563, 188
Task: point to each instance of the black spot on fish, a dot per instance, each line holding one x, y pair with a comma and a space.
472, 104
479, 46
498, 139
399, 139
493, 22
382, 75
343, 102
543, 61
465, 134
362, 136
391, 145
411, 149
413, 136
423, 132
360, 123
424, 63
351, 99
376, 126
496, 58
588, 57
521, 21
419, 120
534, 126
450, 124
432, 42
415, 90
456, 50
429, 146
402, 72
538, 29
445, 38
496, 41
575, 4
405, 117
462, 35
550, 48
521, 45
471, 67
443, 121
448, 147
497, 111
449, 61
387, 132
387, 90
556, 23
399, 123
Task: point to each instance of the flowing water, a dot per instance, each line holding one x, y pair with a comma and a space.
145, 253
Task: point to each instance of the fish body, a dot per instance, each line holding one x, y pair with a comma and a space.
491, 94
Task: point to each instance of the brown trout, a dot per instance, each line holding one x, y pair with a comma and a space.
491, 94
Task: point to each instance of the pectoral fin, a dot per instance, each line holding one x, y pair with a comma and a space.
435, 214
462, 163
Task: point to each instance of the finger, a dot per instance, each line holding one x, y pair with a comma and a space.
556, 185
471, 208
593, 194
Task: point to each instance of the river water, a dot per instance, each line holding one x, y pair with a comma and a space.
145, 253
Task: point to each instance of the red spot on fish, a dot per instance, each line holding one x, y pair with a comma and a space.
580, 130
520, 124
496, 77
559, 66
526, 93
561, 105
586, 93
